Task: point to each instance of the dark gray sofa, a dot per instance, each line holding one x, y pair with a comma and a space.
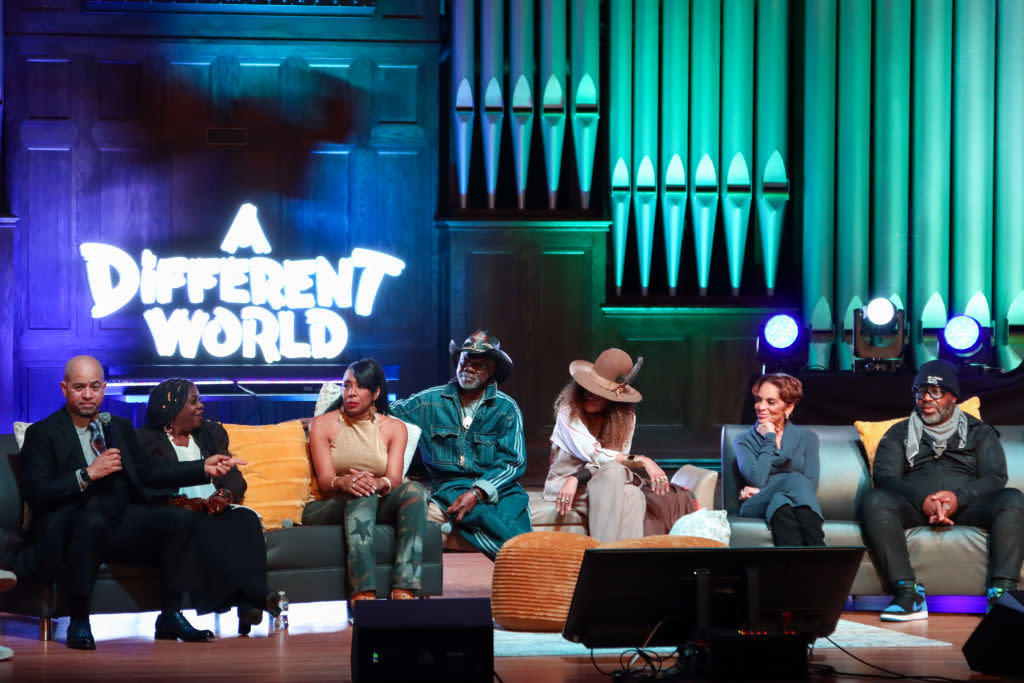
307, 562
947, 560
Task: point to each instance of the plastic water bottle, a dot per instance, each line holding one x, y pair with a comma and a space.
281, 620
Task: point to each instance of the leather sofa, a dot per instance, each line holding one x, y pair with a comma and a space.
306, 562
947, 560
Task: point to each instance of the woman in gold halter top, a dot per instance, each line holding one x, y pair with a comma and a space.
358, 452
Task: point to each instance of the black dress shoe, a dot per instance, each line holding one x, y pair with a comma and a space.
80, 635
174, 626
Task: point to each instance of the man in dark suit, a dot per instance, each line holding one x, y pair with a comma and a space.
83, 479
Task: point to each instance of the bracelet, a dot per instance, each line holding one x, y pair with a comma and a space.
333, 487
634, 460
388, 482
228, 496
479, 496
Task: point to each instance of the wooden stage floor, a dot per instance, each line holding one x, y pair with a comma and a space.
317, 648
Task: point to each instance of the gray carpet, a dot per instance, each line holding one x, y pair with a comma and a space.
848, 634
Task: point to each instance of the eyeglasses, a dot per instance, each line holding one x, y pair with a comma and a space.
936, 392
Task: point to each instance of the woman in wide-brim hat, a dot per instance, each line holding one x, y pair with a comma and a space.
591, 468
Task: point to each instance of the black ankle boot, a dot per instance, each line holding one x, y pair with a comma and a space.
80, 635
248, 616
174, 626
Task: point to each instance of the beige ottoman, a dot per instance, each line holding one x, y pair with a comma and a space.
534, 579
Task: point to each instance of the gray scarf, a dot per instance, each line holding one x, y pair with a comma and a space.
940, 434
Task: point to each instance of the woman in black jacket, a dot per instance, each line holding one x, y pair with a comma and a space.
228, 538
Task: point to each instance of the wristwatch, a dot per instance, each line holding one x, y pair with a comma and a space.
84, 473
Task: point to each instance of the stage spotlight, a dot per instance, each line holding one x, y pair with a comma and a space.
878, 330
782, 345
965, 342
880, 317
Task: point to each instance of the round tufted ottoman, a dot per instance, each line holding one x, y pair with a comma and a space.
534, 579
665, 541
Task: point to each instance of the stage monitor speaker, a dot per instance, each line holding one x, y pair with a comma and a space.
423, 640
993, 648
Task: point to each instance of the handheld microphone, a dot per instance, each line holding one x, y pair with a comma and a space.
104, 419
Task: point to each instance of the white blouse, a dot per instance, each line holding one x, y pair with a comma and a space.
577, 447
190, 453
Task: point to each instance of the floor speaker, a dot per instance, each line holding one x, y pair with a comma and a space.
994, 647
423, 640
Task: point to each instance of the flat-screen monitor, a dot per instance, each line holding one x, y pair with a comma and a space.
694, 593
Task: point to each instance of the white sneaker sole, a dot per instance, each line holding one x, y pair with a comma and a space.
913, 616
7, 580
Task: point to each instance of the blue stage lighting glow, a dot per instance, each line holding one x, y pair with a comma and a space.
781, 331
962, 332
880, 312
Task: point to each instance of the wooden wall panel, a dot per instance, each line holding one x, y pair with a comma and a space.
739, 354
120, 90
392, 20
319, 90
666, 379
49, 92
49, 240
320, 210
41, 388
188, 94
130, 210
560, 325
8, 314
257, 92
396, 93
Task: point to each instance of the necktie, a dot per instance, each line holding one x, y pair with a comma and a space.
99, 444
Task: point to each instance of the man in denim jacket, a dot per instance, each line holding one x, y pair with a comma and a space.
472, 445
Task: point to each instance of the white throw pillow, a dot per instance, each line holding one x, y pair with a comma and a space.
329, 393
705, 524
410, 445
19, 432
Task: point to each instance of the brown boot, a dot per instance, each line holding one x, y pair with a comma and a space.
364, 595
402, 594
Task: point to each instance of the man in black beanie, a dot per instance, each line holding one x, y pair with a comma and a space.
940, 466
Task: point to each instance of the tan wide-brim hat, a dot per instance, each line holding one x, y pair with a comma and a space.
609, 376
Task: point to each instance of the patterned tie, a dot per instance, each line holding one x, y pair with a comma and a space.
99, 444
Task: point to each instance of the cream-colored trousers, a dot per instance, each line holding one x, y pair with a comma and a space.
613, 503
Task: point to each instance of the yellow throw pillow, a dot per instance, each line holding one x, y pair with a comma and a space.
277, 470
871, 433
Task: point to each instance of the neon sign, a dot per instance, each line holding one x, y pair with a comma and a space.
268, 292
